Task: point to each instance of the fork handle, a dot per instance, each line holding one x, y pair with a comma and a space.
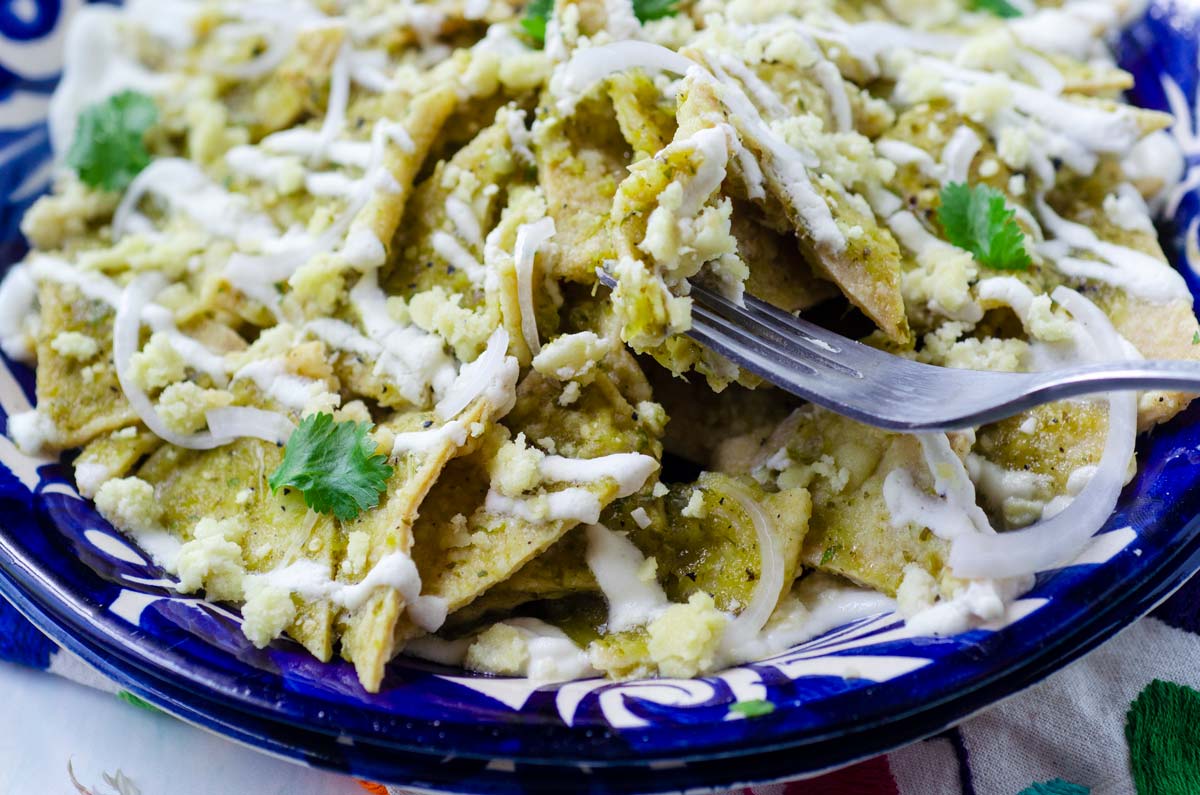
1001, 395
1183, 376
1017, 392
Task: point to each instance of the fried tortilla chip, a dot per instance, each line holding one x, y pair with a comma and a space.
462, 549
1032, 456
669, 223
779, 274
112, 456
706, 548
431, 246
867, 266
298, 86
714, 550
368, 637
559, 572
580, 162
497, 545
82, 400
647, 123
843, 465
424, 120
1158, 329
526, 206
231, 483
710, 543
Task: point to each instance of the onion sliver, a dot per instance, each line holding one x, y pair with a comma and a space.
280, 41
186, 189
592, 64
1057, 540
475, 378
530, 238
339, 96
136, 296
143, 183
750, 621
236, 422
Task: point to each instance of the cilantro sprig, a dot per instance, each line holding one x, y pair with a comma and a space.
755, 708
334, 465
538, 12
109, 148
978, 220
649, 10
1001, 8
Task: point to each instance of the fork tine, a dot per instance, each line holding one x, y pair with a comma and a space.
800, 339
758, 355
763, 339
772, 315
826, 340
893, 406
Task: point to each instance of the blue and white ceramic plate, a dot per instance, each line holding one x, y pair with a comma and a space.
854, 692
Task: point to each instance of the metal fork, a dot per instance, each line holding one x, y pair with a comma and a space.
888, 391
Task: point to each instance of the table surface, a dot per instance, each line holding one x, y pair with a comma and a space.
47, 721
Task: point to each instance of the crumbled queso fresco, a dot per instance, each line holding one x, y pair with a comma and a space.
315, 297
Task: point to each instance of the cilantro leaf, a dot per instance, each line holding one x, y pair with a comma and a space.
1001, 8
538, 12
752, 709
978, 220
1196, 337
648, 10
334, 465
109, 149
534, 21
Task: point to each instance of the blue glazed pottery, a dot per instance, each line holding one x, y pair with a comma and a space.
853, 692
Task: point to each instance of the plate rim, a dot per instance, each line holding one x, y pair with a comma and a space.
934, 717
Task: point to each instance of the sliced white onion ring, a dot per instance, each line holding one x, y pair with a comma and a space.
530, 238
476, 378
175, 169
749, 623
126, 326
236, 422
280, 41
1057, 540
339, 97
